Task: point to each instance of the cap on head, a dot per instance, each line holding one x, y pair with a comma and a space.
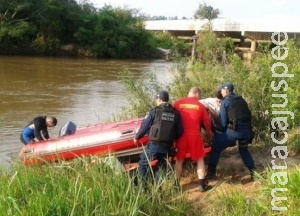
227, 85
163, 95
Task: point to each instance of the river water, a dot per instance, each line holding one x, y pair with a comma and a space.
83, 90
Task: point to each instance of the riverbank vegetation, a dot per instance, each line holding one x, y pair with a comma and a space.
80, 188
85, 188
253, 81
66, 27
274, 101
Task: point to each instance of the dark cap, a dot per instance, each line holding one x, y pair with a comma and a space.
163, 95
227, 85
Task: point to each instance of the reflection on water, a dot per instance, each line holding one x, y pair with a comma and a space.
85, 91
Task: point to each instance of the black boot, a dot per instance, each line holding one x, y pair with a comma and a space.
252, 172
204, 186
249, 178
211, 172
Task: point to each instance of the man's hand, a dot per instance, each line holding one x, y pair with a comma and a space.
135, 141
214, 115
208, 138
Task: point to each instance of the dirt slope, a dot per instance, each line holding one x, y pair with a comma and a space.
231, 172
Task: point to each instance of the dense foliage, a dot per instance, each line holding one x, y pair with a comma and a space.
252, 81
56, 27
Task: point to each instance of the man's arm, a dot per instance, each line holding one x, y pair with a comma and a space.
179, 128
45, 133
206, 120
145, 125
223, 113
214, 114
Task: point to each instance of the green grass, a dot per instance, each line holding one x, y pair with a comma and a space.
85, 188
79, 188
236, 202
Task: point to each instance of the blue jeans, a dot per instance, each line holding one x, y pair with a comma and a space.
27, 136
223, 140
152, 152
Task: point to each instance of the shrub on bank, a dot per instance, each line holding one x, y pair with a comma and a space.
254, 82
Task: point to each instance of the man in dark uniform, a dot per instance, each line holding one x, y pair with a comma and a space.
37, 128
235, 125
163, 126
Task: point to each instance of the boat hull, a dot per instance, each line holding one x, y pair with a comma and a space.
102, 139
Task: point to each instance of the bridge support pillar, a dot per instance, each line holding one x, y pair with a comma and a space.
242, 40
253, 45
194, 51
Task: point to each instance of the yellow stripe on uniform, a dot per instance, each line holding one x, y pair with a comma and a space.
189, 106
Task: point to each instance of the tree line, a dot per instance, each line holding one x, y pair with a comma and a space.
43, 27
67, 27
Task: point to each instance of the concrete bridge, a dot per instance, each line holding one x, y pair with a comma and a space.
251, 30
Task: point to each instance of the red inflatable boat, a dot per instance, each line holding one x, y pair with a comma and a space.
100, 139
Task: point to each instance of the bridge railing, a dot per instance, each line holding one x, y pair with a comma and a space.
240, 25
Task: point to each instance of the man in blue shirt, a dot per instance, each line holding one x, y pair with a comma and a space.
235, 125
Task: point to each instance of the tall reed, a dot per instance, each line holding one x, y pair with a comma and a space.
79, 188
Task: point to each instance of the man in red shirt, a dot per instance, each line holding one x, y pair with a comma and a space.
194, 115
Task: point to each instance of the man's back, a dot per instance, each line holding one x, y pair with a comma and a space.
193, 113
166, 125
211, 103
